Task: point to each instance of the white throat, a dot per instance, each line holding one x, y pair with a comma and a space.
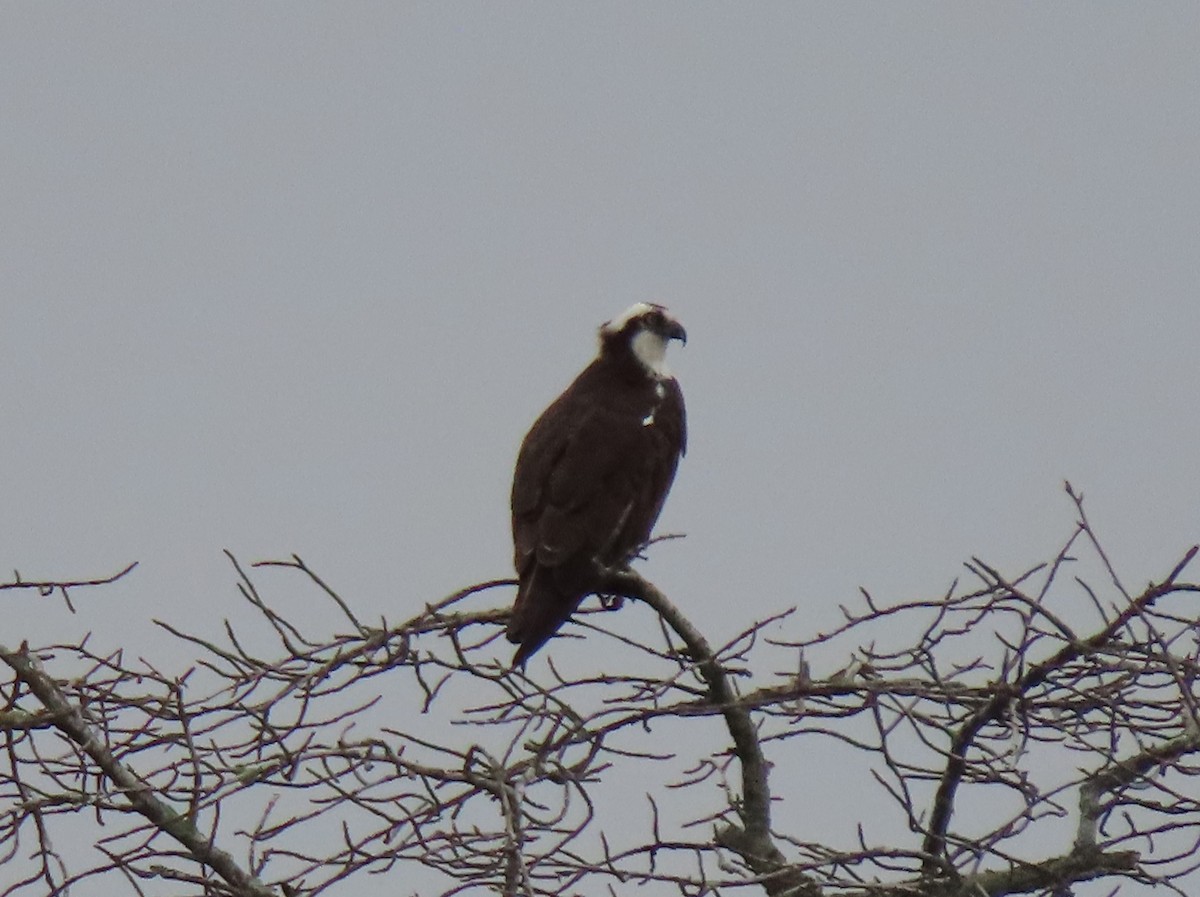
651, 350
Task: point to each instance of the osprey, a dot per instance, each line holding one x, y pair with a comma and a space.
593, 473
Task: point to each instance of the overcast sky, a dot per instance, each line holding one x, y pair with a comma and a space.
297, 278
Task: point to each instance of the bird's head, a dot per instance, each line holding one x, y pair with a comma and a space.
643, 330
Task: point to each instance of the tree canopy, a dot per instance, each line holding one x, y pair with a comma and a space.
1020, 734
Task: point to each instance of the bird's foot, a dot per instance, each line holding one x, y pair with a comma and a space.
611, 602
607, 577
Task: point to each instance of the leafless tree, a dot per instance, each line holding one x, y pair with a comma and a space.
1029, 733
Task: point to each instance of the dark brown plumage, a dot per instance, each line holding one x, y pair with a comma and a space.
593, 473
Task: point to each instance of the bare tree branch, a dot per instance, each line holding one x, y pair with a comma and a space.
1004, 695
980, 726
70, 720
48, 587
752, 839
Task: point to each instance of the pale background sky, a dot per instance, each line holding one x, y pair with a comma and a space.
297, 278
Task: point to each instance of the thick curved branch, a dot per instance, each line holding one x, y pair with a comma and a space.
752, 841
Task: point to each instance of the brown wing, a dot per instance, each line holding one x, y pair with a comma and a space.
575, 482
669, 437
590, 481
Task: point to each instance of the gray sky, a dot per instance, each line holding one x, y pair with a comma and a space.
297, 278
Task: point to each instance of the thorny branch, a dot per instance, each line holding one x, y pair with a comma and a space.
994, 721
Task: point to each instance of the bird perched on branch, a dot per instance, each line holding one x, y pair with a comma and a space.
593, 473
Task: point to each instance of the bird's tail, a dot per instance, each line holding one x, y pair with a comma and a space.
537, 614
